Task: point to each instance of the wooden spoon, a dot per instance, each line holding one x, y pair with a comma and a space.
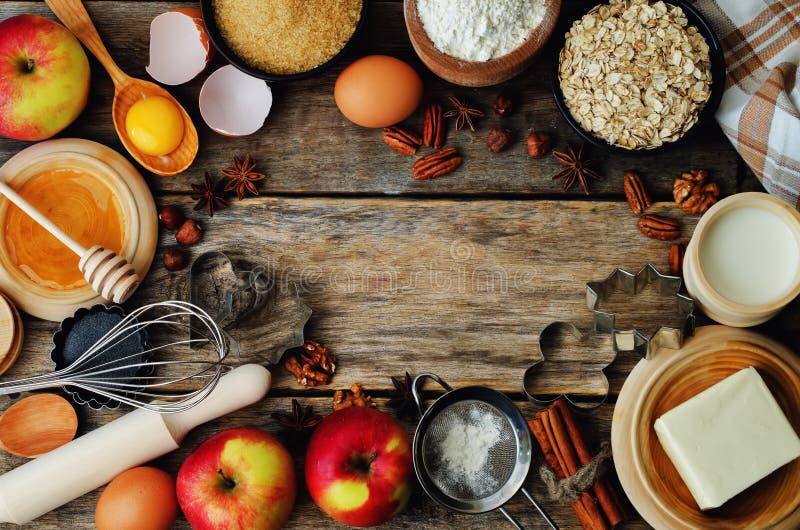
37, 424
127, 91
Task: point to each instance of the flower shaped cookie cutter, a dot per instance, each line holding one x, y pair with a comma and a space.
597, 292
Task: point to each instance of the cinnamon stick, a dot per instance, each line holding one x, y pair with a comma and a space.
537, 428
571, 466
606, 494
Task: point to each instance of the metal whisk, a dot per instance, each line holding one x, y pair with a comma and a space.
112, 378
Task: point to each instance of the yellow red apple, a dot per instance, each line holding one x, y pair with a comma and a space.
358, 466
44, 77
238, 479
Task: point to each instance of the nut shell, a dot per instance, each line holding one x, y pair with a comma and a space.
171, 217
538, 144
189, 233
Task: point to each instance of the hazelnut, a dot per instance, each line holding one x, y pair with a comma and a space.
171, 217
538, 144
498, 139
503, 105
189, 233
174, 259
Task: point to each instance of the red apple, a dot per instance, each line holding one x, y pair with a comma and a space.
44, 77
237, 479
358, 466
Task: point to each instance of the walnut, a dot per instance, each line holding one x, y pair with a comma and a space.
312, 365
693, 193
355, 397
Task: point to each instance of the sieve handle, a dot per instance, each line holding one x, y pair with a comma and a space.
510, 518
415, 388
541, 511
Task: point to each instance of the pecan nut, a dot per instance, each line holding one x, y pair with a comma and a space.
433, 130
635, 192
436, 164
693, 193
676, 252
660, 227
498, 139
401, 140
311, 365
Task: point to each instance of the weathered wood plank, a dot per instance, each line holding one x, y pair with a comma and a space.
458, 287
422, 513
308, 147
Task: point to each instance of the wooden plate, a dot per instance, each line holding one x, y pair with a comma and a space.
11, 333
484, 73
136, 203
648, 477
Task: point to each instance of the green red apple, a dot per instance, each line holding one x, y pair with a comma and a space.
238, 479
44, 77
358, 466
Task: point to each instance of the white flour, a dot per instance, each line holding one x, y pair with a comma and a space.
479, 30
465, 451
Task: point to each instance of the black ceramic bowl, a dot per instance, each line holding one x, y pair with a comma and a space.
84, 328
222, 47
707, 113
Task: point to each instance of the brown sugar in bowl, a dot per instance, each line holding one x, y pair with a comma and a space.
483, 73
227, 51
136, 210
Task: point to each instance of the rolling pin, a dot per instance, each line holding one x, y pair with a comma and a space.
88, 462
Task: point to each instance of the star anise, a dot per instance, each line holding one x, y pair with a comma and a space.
403, 400
463, 114
576, 168
209, 195
300, 420
242, 177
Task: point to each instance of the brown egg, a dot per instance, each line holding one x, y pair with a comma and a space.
378, 91
142, 498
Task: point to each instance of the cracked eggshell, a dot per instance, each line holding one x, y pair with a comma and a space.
234, 103
179, 46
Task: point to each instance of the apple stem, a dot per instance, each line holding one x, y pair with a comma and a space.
229, 482
30, 65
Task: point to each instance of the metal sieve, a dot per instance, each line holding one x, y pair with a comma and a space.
502, 464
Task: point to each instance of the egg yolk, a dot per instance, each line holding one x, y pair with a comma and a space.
154, 125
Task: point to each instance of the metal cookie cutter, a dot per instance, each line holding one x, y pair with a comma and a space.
629, 283
582, 403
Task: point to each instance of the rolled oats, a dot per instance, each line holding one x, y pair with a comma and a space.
635, 73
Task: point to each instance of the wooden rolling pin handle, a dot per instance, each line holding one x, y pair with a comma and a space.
43, 221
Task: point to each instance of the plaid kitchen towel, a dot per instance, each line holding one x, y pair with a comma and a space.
760, 109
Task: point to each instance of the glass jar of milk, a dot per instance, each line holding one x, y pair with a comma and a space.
742, 265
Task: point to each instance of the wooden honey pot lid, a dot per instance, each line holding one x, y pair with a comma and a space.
671, 377
11, 333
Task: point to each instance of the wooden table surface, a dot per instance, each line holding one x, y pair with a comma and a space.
455, 276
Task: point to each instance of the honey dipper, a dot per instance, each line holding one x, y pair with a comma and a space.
110, 275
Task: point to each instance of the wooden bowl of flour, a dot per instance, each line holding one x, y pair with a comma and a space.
479, 73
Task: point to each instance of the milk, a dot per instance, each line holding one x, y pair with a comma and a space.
750, 256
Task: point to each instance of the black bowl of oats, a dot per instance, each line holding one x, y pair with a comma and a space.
281, 40
637, 76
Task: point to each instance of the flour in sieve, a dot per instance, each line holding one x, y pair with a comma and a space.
465, 451
479, 30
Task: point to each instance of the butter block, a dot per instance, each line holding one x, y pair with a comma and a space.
727, 438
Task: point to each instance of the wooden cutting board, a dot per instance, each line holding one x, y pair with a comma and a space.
671, 377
